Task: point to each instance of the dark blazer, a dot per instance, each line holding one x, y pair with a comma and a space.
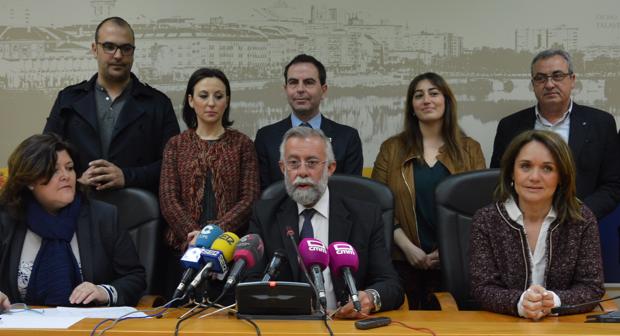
143, 128
107, 254
596, 151
356, 222
345, 141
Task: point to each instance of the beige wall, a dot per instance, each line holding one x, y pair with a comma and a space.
372, 49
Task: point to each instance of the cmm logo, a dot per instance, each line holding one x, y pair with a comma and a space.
316, 245
344, 249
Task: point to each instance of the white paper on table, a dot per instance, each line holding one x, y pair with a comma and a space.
28, 320
61, 317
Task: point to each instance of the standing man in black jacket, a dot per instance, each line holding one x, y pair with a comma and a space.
589, 132
118, 124
305, 84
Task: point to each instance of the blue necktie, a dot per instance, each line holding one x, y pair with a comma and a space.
305, 124
306, 229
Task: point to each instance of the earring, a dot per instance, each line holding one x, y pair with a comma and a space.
31, 187
512, 183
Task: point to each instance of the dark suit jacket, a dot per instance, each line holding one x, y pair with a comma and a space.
356, 222
345, 141
107, 254
595, 147
143, 128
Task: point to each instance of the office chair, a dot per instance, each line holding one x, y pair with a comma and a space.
457, 198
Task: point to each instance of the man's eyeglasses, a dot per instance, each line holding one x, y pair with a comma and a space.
296, 164
110, 48
556, 77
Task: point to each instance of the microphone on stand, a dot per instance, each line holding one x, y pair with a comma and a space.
314, 256
216, 258
343, 261
192, 260
249, 249
291, 234
272, 270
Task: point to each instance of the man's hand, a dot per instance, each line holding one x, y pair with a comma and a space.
348, 312
102, 175
5, 304
87, 292
537, 302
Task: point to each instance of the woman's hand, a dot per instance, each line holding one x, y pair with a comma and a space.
433, 260
191, 237
417, 257
5, 304
87, 292
537, 302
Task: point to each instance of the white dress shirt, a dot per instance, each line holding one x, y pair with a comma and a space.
560, 127
320, 226
538, 258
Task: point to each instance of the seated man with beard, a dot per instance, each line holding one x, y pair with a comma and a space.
311, 210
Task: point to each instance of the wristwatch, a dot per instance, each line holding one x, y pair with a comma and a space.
376, 299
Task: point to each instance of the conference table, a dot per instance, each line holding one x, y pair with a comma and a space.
440, 322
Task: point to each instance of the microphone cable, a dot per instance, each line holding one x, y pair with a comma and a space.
564, 308
198, 311
290, 233
128, 316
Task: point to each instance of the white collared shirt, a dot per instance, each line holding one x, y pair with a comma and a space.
538, 258
561, 127
320, 226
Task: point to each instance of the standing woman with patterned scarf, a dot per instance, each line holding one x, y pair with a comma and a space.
57, 247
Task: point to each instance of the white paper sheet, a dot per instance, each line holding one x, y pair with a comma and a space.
60, 317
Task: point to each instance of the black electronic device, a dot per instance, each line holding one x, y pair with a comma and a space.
275, 300
611, 317
373, 322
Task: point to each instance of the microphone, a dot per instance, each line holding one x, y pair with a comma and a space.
564, 308
249, 249
191, 259
291, 234
208, 235
314, 256
273, 268
216, 258
343, 260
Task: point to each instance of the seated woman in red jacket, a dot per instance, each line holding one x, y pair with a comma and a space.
538, 246
58, 247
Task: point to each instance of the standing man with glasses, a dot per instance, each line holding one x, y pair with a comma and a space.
305, 85
118, 124
589, 132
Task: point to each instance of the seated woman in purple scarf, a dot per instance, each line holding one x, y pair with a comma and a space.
57, 247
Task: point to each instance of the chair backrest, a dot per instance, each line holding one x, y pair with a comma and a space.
457, 198
138, 213
357, 187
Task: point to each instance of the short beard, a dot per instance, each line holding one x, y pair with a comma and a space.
306, 197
